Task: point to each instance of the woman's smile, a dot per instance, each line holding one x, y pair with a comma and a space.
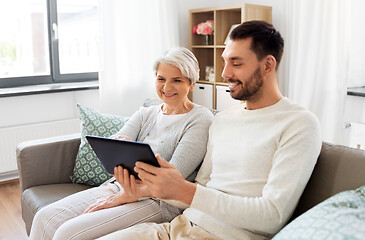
168, 95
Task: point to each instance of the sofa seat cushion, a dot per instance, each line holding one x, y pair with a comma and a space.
339, 217
35, 198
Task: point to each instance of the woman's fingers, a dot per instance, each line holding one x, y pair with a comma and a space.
119, 175
122, 138
126, 182
96, 206
133, 184
112, 201
93, 209
116, 174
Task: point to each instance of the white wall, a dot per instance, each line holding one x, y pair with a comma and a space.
46, 107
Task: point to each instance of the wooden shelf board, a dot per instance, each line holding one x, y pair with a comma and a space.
221, 83
207, 82
203, 46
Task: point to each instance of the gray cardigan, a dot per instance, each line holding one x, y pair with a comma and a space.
183, 145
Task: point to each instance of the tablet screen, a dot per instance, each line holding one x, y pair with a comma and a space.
115, 152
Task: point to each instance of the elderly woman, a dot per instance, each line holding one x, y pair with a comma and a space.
176, 129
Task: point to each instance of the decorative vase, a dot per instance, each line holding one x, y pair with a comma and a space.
208, 39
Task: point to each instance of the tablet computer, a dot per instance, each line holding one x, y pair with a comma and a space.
115, 152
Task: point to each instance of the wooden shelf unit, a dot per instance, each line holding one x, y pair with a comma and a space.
224, 18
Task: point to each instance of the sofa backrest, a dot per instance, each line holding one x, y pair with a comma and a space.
338, 169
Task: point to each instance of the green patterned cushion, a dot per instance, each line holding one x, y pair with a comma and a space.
339, 217
361, 191
88, 169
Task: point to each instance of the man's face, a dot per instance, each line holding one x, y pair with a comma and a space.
242, 70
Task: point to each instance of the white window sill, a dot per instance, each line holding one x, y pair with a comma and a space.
48, 88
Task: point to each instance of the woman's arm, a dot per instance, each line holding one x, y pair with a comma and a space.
192, 146
132, 127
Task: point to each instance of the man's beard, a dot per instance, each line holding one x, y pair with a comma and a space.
250, 88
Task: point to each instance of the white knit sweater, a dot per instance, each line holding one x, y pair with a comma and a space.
256, 167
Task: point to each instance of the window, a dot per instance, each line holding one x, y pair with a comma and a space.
48, 41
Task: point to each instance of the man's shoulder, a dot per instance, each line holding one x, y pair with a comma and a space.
294, 110
296, 119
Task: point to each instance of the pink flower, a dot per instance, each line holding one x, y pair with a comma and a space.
204, 28
194, 29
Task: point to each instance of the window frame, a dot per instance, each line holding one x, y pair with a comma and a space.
53, 46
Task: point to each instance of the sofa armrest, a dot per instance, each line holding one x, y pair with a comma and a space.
47, 161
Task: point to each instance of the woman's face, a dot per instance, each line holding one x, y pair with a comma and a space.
171, 86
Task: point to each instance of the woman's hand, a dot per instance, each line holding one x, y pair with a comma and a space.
122, 138
133, 189
114, 200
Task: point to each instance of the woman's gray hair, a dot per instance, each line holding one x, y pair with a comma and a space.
184, 60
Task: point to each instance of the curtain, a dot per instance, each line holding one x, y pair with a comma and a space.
318, 61
133, 34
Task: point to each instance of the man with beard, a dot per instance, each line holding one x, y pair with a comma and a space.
259, 158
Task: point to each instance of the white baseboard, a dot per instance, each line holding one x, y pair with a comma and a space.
7, 176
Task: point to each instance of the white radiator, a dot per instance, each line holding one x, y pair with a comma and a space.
12, 136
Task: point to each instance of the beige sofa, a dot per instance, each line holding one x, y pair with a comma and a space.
45, 167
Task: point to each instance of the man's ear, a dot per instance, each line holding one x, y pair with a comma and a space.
269, 63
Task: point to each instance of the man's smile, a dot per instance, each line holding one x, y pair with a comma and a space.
233, 84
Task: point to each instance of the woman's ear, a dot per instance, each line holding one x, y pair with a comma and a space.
191, 87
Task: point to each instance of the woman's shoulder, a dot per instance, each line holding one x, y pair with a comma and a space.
202, 112
150, 109
146, 113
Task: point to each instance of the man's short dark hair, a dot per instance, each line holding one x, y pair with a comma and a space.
265, 39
